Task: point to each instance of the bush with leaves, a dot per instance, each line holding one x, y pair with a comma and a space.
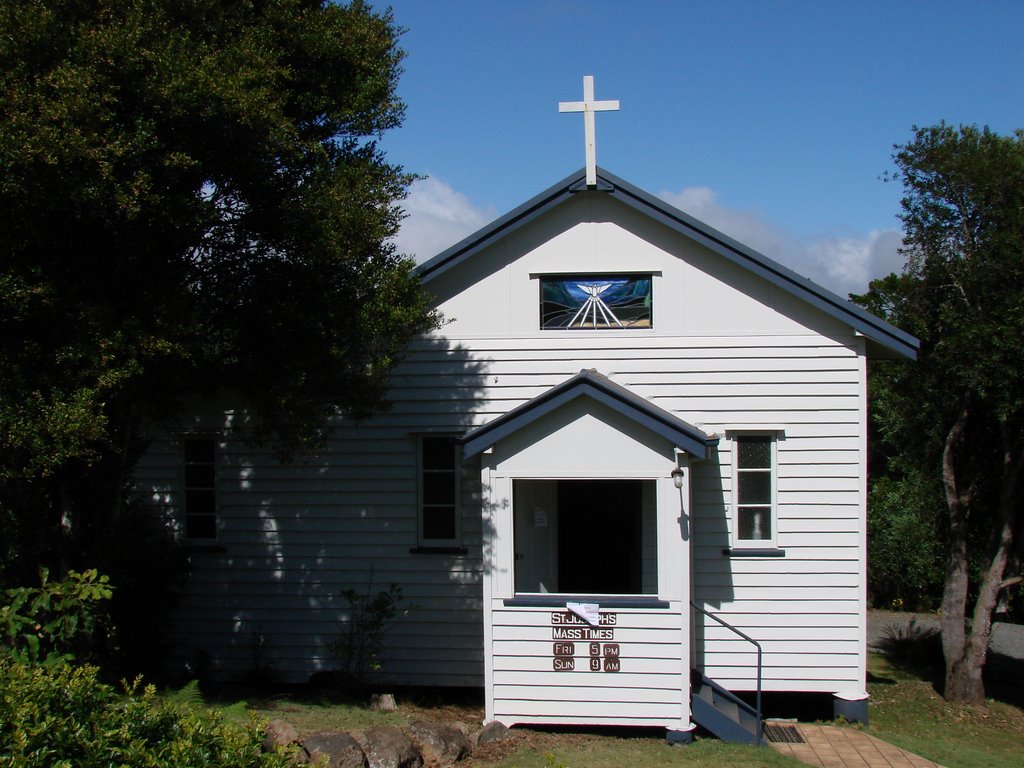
359, 646
54, 622
905, 543
62, 716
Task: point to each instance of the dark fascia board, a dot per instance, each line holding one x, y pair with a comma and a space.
590, 383
887, 339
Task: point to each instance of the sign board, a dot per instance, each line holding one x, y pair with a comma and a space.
600, 656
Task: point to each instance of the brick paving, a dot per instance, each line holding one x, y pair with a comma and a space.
828, 746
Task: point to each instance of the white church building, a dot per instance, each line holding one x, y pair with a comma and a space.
625, 477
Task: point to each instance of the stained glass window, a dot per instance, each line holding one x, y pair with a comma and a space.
588, 302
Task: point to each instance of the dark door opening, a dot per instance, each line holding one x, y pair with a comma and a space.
600, 536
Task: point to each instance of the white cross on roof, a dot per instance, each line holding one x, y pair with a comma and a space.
588, 107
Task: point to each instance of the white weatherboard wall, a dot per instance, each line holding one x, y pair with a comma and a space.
727, 350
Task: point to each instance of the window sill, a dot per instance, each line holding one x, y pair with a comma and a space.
214, 549
752, 552
438, 551
559, 601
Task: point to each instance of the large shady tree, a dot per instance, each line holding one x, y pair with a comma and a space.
192, 203
958, 412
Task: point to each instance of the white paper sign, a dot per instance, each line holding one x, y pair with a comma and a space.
589, 612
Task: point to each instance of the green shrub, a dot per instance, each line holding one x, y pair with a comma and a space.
905, 546
54, 622
359, 647
63, 717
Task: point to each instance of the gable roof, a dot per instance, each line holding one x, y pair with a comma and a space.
884, 340
590, 383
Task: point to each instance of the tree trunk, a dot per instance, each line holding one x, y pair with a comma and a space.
964, 670
954, 593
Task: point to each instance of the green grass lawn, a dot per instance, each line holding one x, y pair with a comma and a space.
650, 752
906, 711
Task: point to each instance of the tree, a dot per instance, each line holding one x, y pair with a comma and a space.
958, 412
192, 203
905, 543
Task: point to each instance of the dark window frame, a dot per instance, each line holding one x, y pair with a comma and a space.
200, 498
438, 477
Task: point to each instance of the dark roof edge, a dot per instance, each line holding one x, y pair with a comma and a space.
888, 337
518, 216
592, 384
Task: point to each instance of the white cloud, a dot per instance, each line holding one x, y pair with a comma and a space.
848, 264
437, 217
842, 263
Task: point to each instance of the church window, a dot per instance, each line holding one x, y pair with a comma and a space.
199, 464
439, 491
587, 302
754, 518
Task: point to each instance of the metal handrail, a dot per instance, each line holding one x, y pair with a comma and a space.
757, 645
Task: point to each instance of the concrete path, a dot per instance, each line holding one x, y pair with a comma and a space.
828, 746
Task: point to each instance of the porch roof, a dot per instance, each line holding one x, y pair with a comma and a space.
590, 383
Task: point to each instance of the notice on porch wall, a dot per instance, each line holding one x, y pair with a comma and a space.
589, 612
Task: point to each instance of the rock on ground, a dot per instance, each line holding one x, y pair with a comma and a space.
387, 747
279, 733
340, 749
440, 744
494, 731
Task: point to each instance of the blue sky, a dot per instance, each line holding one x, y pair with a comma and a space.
772, 121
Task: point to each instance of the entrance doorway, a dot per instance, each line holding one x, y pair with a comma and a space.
599, 546
585, 536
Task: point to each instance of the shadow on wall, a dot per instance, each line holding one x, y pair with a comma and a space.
265, 601
712, 573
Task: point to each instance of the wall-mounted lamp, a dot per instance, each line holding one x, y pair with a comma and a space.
677, 477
